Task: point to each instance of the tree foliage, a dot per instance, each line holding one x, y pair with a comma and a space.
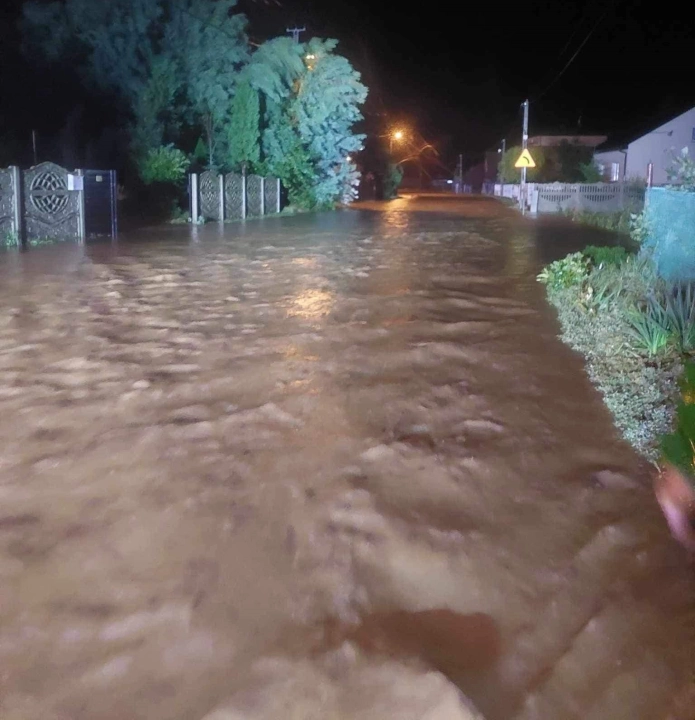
170, 64
182, 70
244, 150
312, 100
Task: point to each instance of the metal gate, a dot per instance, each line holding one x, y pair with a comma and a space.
52, 210
100, 203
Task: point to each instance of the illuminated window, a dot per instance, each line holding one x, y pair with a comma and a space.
615, 172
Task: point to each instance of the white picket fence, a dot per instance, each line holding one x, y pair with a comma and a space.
560, 197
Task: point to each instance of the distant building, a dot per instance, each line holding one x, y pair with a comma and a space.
611, 164
659, 146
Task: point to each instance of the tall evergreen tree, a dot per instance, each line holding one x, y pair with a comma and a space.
312, 99
244, 152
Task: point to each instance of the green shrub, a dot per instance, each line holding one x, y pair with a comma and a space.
650, 329
681, 173
392, 181
678, 447
590, 172
165, 164
9, 239
680, 313
602, 256
639, 227
571, 271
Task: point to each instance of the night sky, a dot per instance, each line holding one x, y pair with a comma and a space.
459, 79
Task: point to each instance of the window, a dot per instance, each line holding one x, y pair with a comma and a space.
693, 135
615, 172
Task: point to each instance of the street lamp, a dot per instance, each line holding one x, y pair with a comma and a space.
397, 135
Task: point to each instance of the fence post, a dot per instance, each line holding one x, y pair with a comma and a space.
277, 195
17, 211
114, 204
262, 196
243, 195
81, 230
194, 197
221, 198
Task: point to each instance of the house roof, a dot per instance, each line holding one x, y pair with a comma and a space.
654, 116
553, 140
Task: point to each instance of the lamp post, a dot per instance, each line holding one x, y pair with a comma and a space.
397, 135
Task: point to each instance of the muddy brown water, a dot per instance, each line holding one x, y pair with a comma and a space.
331, 466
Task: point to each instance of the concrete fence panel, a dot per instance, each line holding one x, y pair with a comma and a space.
254, 195
234, 197
51, 210
9, 202
209, 191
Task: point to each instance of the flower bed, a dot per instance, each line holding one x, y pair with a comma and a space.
633, 329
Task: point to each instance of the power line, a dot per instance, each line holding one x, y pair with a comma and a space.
576, 52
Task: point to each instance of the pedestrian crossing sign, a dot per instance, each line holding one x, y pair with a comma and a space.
525, 160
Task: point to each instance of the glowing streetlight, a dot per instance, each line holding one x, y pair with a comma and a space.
396, 135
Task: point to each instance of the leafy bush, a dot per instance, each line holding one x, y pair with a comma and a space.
163, 164
590, 172
678, 447
569, 272
650, 329
639, 227
392, 181
681, 173
602, 256
680, 314
628, 284
9, 239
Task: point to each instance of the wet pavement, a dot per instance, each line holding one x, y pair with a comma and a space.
330, 466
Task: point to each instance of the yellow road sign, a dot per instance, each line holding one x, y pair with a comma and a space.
525, 160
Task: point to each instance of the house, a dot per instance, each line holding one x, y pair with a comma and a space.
659, 146
611, 164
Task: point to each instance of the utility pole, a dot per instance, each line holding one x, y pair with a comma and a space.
524, 143
503, 151
33, 143
458, 188
295, 31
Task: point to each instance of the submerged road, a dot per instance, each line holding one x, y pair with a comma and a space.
326, 466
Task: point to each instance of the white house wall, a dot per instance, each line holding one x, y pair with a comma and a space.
658, 147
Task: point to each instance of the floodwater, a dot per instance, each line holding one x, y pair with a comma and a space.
320, 468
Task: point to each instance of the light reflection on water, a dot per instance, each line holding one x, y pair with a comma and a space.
311, 304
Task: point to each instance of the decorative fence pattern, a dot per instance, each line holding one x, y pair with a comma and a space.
232, 196
271, 195
560, 197
43, 202
235, 197
254, 195
596, 197
209, 186
51, 210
